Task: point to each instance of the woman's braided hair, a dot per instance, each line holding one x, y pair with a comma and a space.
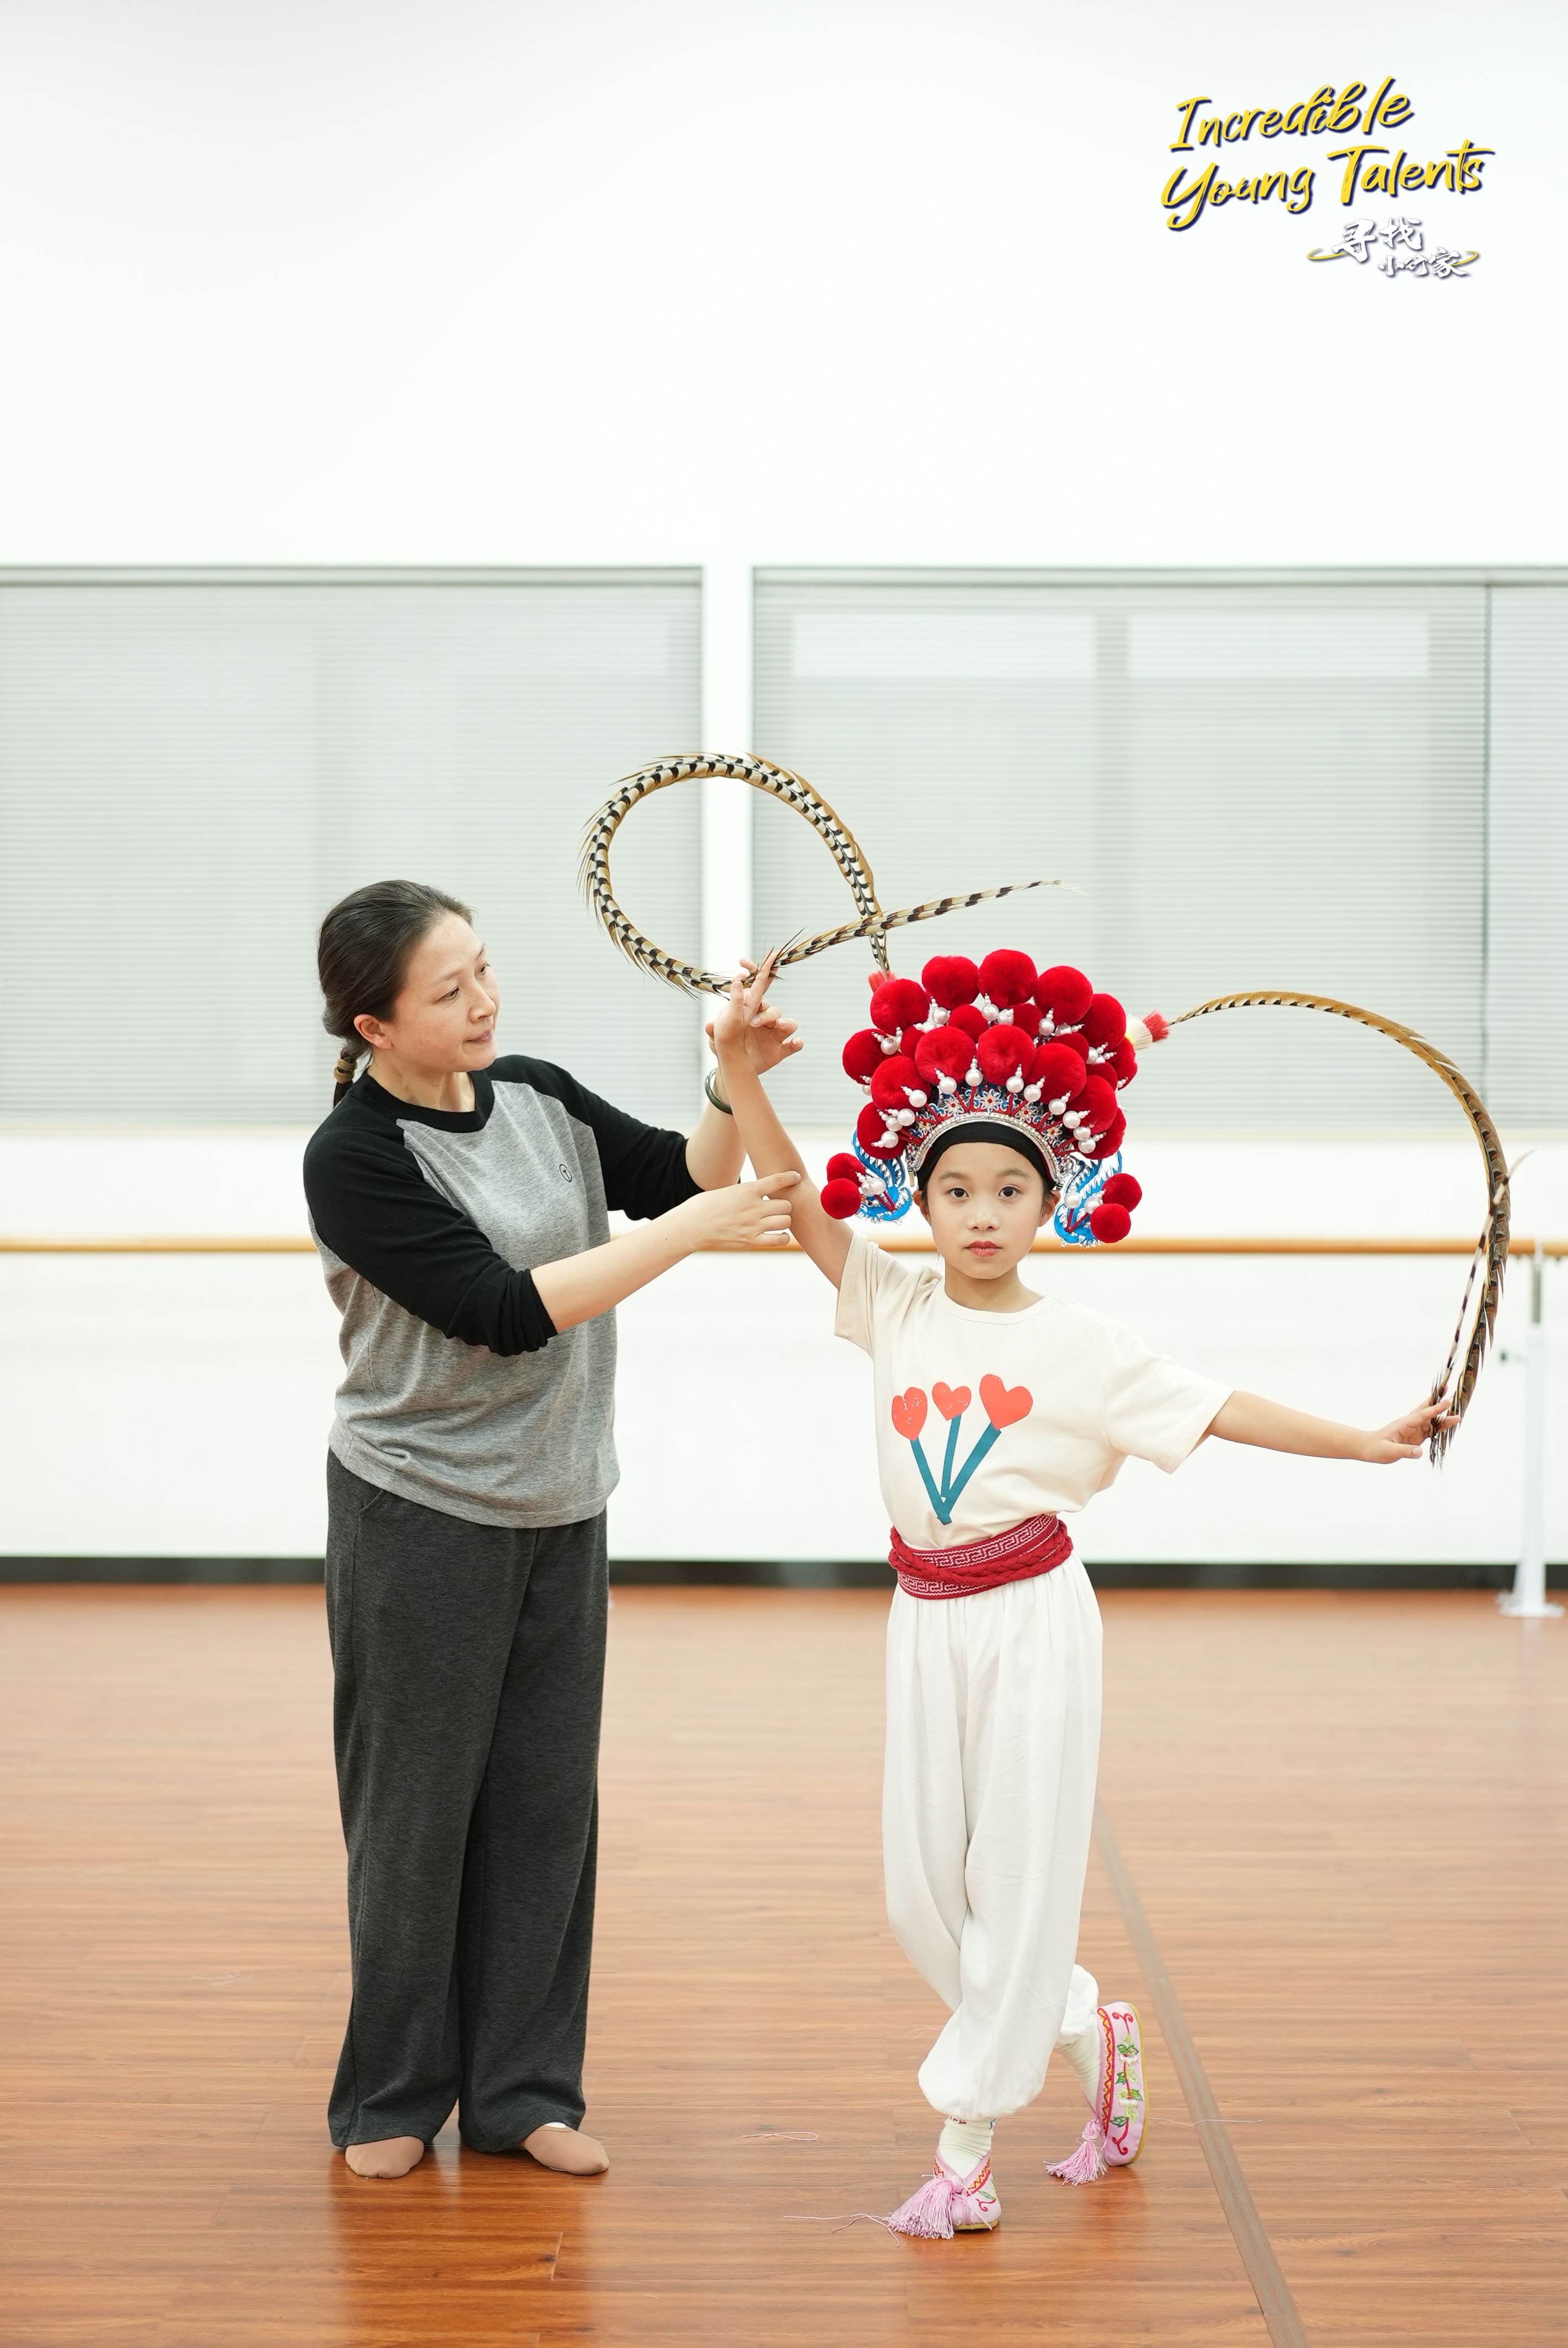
362, 958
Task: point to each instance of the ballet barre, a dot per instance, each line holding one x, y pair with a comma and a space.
901, 1242
1528, 1596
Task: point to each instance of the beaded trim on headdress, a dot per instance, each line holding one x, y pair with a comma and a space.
996, 1044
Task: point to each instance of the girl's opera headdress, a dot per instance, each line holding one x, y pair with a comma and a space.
994, 1044
906, 1015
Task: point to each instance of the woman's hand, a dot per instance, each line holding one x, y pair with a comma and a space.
736, 1214
746, 1214
749, 1023
1406, 1437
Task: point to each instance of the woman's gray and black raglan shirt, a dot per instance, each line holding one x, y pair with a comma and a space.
460, 1393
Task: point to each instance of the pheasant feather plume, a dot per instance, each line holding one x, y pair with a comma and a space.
1477, 1325
795, 792
1477, 1322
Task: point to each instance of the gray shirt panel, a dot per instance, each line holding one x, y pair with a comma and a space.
523, 1439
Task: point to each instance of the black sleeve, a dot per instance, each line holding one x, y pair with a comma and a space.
371, 1204
644, 1166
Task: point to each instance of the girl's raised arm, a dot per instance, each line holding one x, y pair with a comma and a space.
757, 1122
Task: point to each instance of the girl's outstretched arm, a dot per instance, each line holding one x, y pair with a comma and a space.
1251, 1418
757, 1123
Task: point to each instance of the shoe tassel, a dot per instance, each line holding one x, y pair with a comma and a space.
929, 2213
1088, 2164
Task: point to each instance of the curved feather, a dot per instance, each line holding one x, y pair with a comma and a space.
1490, 1261
781, 783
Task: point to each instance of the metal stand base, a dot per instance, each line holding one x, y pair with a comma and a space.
1531, 1609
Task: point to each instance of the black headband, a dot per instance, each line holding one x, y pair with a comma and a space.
991, 1129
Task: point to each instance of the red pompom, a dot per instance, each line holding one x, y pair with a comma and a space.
1096, 1103
898, 1002
1074, 1043
1121, 1190
840, 1199
1108, 1224
1111, 1141
870, 1127
1125, 1061
893, 1082
951, 979
863, 1055
1007, 978
842, 1167
1026, 1018
968, 1022
945, 1052
1059, 1073
1065, 992
1002, 1052
1105, 1022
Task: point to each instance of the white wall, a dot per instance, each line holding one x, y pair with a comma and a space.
501, 282
858, 281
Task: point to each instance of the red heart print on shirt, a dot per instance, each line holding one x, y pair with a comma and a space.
951, 1401
1004, 1405
909, 1414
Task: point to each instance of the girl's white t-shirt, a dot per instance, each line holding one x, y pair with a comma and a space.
984, 1419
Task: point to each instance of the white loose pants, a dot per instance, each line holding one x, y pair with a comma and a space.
993, 1743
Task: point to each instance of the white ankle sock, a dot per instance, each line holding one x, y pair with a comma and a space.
1082, 2055
963, 2143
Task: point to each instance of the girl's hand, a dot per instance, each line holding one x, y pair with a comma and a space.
744, 1214
1407, 1439
749, 1023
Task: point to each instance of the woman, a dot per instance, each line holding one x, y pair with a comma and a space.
459, 1203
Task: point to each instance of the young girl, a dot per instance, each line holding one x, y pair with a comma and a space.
999, 1412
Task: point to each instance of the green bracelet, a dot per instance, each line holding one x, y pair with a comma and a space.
721, 1106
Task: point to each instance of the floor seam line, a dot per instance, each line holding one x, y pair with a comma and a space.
1274, 2300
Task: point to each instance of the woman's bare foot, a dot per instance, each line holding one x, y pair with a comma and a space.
395, 2156
567, 2149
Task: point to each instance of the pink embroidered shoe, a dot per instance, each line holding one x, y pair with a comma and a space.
950, 2204
1119, 2115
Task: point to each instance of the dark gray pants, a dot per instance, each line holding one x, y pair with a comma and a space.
469, 1669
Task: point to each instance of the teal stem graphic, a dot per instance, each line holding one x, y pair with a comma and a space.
939, 1502
967, 1469
953, 1424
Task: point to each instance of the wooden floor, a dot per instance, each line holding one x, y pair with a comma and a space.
1343, 1819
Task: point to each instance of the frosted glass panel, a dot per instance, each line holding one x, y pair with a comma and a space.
943, 644
192, 770
1272, 784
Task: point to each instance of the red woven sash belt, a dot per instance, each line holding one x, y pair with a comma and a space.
1034, 1547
